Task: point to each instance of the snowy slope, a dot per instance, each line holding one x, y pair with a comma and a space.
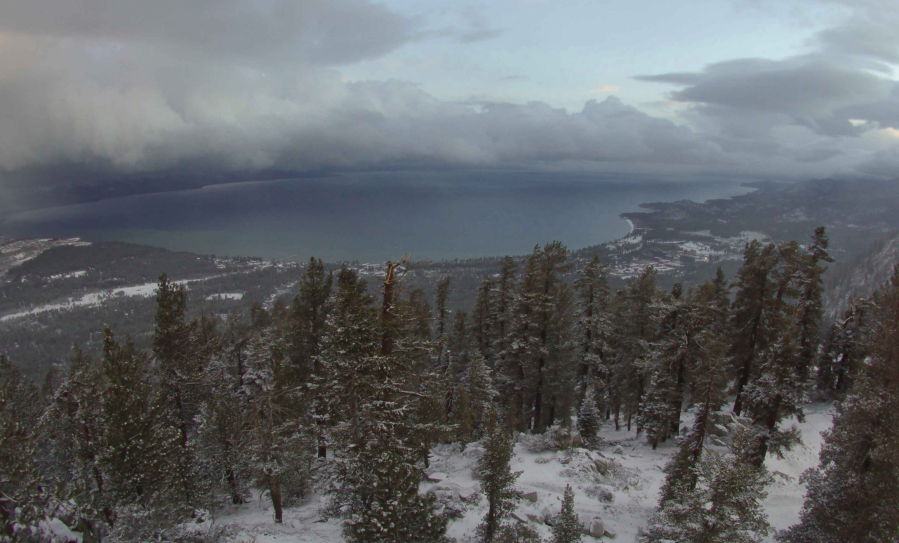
633, 479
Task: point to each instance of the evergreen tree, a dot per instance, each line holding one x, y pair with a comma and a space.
443, 290
853, 495
753, 303
139, 443
723, 506
566, 527
497, 481
181, 370
480, 316
594, 327
589, 421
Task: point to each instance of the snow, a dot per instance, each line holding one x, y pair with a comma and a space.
226, 296
633, 481
96, 298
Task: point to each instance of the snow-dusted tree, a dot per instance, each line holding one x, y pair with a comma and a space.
181, 368
853, 495
724, 505
538, 345
809, 300
280, 436
497, 480
378, 472
753, 303
594, 327
680, 473
139, 443
641, 307
847, 344
778, 391
696, 328
26, 499
443, 290
72, 432
566, 526
589, 420
480, 318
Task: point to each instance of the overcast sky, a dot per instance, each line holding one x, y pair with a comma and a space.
798, 88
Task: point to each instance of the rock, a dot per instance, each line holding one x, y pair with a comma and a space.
437, 477
605, 495
469, 492
610, 534
597, 527
548, 513
718, 430
439, 508
745, 421
618, 450
577, 441
718, 442
585, 519
529, 496
534, 517
519, 517
731, 427
602, 466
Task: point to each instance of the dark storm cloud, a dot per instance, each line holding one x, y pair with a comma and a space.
246, 85
335, 31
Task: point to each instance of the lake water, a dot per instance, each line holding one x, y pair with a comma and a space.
373, 216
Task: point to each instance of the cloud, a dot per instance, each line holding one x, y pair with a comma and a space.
267, 31
604, 89
134, 86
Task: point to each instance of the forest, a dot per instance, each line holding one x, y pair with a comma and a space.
344, 391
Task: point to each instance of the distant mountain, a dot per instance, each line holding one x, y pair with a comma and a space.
862, 276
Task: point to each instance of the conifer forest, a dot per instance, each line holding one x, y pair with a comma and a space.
360, 393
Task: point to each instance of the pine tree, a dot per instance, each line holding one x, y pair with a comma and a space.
25, 499
173, 351
853, 495
753, 303
497, 481
480, 316
378, 470
138, 441
809, 310
723, 506
566, 527
280, 437
589, 421
594, 326
443, 290
72, 431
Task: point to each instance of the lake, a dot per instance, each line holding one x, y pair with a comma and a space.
373, 216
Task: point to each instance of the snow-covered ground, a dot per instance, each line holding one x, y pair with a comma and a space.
619, 483
96, 298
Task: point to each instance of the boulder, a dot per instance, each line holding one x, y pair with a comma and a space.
534, 517
437, 477
549, 512
618, 450
718, 430
602, 466
519, 517
597, 527
610, 533
529, 496
470, 492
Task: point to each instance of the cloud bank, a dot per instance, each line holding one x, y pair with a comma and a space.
231, 84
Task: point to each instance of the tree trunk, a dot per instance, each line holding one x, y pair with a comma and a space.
274, 487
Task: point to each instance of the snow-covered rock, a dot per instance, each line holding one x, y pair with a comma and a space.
437, 477
597, 527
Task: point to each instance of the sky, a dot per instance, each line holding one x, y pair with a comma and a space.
748, 88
